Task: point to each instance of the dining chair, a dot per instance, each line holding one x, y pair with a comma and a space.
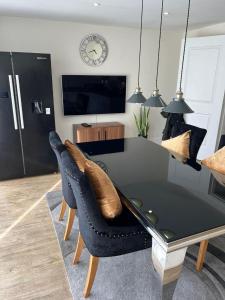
68, 196
204, 244
101, 237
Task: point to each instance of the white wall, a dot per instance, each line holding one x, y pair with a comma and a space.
62, 39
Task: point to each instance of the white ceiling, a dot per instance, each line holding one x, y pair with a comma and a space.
118, 12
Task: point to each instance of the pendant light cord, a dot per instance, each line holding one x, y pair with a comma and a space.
140, 42
185, 41
160, 35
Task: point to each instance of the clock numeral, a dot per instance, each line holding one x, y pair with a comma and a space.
84, 55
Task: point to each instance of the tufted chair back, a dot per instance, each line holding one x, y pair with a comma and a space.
58, 147
91, 222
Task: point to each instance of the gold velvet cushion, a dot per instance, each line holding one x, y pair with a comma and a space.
106, 194
76, 154
179, 146
216, 161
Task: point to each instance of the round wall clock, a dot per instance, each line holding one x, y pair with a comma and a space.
93, 50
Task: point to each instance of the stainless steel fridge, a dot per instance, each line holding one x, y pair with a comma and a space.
26, 115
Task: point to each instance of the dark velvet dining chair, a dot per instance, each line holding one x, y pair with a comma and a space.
204, 244
102, 237
68, 196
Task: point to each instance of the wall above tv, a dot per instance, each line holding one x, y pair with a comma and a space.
93, 94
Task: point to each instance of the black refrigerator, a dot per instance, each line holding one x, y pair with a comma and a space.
26, 115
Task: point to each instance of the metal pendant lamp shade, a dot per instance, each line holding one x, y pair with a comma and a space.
155, 100
137, 96
178, 104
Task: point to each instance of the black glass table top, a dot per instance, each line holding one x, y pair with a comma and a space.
170, 197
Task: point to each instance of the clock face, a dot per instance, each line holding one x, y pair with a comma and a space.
93, 50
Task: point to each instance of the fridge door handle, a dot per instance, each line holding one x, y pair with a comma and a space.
19, 101
13, 102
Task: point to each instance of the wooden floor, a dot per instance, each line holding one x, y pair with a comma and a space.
31, 265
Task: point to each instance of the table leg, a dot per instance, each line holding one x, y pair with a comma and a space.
168, 266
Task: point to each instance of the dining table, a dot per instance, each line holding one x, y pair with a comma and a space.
172, 199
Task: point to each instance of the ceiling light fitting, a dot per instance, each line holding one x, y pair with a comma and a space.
178, 104
137, 96
155, 99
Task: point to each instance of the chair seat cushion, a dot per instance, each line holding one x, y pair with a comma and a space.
76, 154
216, 161
124, 235
196, 139
179, 146
105, 192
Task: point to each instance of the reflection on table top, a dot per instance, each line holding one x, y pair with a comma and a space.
164, 194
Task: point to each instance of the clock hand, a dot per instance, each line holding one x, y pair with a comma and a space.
93, 51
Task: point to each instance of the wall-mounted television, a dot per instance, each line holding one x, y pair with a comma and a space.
93, 94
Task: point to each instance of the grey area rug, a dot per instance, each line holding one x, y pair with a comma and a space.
131, 276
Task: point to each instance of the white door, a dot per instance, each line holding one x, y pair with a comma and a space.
204, 86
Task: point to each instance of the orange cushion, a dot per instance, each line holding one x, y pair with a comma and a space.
179, 146
76, 154
216, 161
105, 192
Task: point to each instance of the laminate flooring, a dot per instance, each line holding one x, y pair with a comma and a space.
31, 264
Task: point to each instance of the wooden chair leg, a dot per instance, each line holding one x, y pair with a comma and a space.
79, 247
69, 225
62, 210
201, 255
93, 265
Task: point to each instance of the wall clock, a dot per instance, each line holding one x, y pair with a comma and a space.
93, 50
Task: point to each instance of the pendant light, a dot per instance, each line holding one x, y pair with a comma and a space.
178, 104
137, 96
155, 99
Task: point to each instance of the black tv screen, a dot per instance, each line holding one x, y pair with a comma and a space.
88, 94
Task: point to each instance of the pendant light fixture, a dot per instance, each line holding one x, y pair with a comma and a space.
155, 99
137, 96
178, 104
